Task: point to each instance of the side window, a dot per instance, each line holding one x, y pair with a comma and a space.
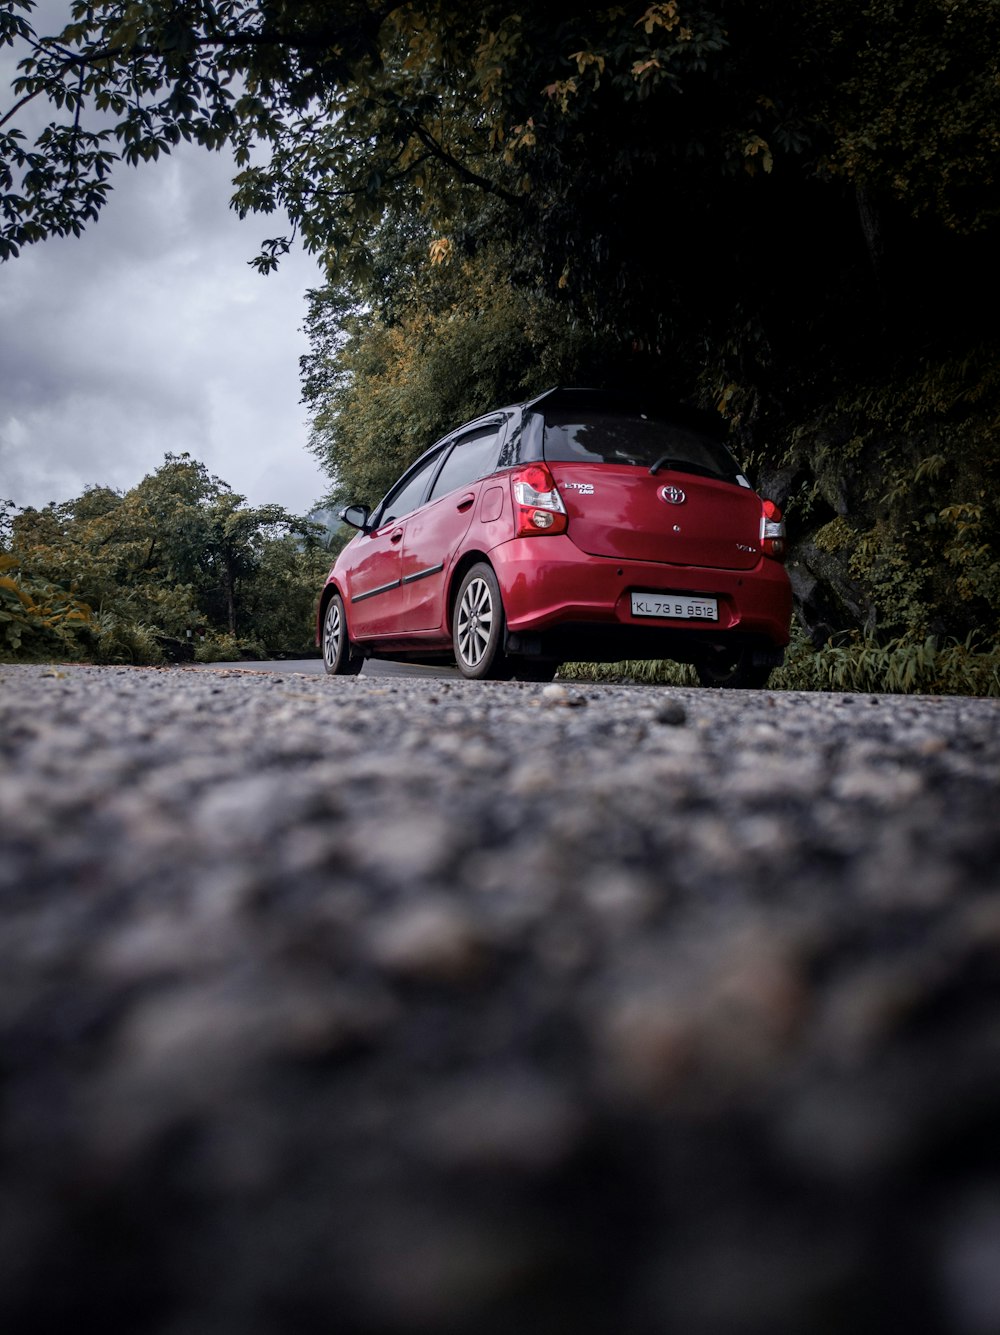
473, 457
408, 494
517, 444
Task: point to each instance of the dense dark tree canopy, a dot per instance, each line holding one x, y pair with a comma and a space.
684, 140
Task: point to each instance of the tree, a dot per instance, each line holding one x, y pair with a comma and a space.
179, 550
759, 124
38, 619
458, 340
278, 605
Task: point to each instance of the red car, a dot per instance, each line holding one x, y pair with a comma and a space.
575, 527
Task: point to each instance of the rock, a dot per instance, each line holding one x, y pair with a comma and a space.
433, 941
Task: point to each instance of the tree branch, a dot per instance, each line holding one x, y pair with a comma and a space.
438, 151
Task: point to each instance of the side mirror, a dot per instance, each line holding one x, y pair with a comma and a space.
355, 515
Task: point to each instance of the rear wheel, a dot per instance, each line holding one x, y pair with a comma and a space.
337, 658
478, 626
732, 668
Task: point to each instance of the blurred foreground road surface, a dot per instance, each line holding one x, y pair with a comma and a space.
403, 1005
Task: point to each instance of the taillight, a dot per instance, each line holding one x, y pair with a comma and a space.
538, 507
772, 531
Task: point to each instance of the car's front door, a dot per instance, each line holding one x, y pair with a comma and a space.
376, 583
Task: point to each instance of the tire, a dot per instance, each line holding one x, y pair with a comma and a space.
732, 669
478, 625
337, 657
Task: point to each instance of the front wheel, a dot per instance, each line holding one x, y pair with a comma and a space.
337, 657
478, 626
733, 668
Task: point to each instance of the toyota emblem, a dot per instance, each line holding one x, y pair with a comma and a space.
672, 495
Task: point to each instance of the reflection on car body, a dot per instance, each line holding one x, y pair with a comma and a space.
579, 525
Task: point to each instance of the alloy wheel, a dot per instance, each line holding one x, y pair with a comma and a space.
333, 630
475, 622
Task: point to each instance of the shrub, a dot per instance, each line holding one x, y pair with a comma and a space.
850, 662
120, 640
39, 619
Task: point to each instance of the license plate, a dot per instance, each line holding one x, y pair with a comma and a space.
676, 606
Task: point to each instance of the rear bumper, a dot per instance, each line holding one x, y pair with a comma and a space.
574, 602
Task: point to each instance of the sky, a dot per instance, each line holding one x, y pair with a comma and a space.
151, 334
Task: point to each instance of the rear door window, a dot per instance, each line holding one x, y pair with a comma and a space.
580, 436
474, 456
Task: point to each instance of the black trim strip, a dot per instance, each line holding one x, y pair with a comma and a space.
373, 593
423, 574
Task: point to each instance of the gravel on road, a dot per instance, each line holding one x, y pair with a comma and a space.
402, 1005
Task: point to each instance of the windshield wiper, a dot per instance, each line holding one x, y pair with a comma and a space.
685, 466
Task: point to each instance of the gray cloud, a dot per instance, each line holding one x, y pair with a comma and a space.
151, 334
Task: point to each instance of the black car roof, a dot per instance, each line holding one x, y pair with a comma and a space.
648, 403
593, 400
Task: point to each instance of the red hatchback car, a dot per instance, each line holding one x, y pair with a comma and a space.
577, 526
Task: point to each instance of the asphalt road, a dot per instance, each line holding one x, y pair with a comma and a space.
373, 667
398, 1005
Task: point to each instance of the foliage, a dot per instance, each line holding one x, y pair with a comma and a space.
464, 340
650, 671
916, 104
39, 619
121, 640
545, 126
218, 649
7, 511
177, 556
682, 171
278, 605
892, 493
354, 103
901, 666
850, 663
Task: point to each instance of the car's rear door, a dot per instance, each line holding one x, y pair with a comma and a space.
623, 512
435, 532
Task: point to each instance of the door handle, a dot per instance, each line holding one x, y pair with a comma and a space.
396, 535
466, 501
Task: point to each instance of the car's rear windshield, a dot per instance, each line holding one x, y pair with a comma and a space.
578, 436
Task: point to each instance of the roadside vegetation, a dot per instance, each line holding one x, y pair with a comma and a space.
179, 567
787, 212
848, 663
